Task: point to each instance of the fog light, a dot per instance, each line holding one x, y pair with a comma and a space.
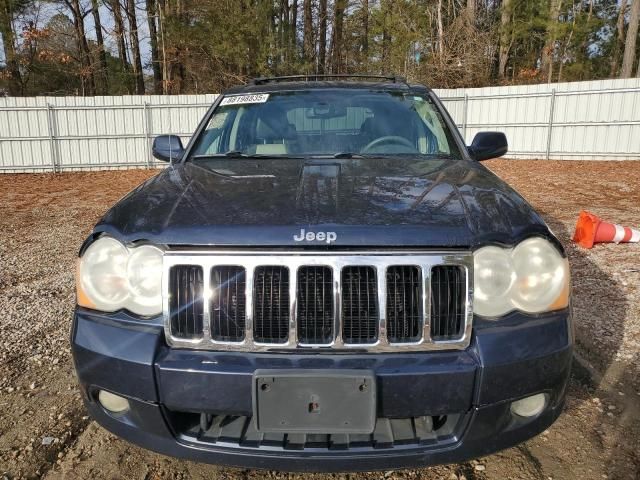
113, 403
530, 406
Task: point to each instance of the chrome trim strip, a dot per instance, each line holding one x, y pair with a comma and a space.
248, 296
206, 304
381, 274
425, 273
380, 260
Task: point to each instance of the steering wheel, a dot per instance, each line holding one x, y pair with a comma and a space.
389, 139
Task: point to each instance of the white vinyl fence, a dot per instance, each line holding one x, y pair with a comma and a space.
587, 121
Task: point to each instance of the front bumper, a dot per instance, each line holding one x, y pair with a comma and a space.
168, 388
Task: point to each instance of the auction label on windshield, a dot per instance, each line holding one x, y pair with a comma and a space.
243, 99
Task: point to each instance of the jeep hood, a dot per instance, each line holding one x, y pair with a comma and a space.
367, 203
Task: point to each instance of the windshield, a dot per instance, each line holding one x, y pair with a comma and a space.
327, 122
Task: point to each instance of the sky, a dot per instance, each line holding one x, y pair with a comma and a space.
43, 11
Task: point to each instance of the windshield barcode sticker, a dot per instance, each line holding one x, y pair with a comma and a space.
240, 99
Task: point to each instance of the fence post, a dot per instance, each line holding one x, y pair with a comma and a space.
550, 128
52, 139
464, 116
147, 136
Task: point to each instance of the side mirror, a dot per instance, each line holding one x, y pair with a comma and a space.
167, 148
487, 145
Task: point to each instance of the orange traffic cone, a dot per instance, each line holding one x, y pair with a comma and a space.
591, 229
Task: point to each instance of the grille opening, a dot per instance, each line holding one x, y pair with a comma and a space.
359, 305
447, 302
227, 305
315, 305
271, 304
237, 431
404, 300
186, 301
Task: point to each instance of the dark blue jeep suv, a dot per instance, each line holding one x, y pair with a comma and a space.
324, 279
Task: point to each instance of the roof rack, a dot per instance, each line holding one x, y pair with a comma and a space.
317, 77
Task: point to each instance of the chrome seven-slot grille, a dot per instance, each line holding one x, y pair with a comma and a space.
384, 301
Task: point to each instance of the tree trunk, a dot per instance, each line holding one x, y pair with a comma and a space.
336, 42
9, 45
505, 38
471, 11
118, 22
86, 67
153, 36
322, 42
293, 27
386, 37
308, 47
102, 54
365, 31
283, 34
134, 41
619, 42
546, 60
440, 31
630, 45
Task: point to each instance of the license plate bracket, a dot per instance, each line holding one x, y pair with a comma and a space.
314, 401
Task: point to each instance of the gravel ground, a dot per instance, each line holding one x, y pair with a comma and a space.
44, 430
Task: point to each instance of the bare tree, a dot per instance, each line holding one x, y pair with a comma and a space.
308, 49
630, 45
505, 38
619, 41
322, 40
102, 54
471, 11
9, 45
293, 26
546, 59
86, 67
440, 31
118, 30
151, 7
135, 46
365, 30
336, 41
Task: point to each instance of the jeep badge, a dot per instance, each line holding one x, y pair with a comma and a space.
328, 237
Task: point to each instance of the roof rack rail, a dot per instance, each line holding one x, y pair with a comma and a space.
317, 77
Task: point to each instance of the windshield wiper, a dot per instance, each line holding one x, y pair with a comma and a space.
240, 154
348, 155
229, 154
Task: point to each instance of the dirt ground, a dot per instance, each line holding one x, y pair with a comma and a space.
44, 430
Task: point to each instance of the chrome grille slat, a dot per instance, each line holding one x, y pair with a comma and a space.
227, 305
404, 316
362, 320
314, 307
333, 262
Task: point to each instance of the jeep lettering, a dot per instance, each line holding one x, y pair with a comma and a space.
330, 237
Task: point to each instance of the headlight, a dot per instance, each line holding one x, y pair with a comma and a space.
111, 277
532, 277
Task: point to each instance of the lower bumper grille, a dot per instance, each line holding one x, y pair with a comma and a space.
260, 302
240, 432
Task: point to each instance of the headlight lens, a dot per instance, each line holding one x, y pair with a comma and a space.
532, 277
103, 274
111, 277
144, 272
